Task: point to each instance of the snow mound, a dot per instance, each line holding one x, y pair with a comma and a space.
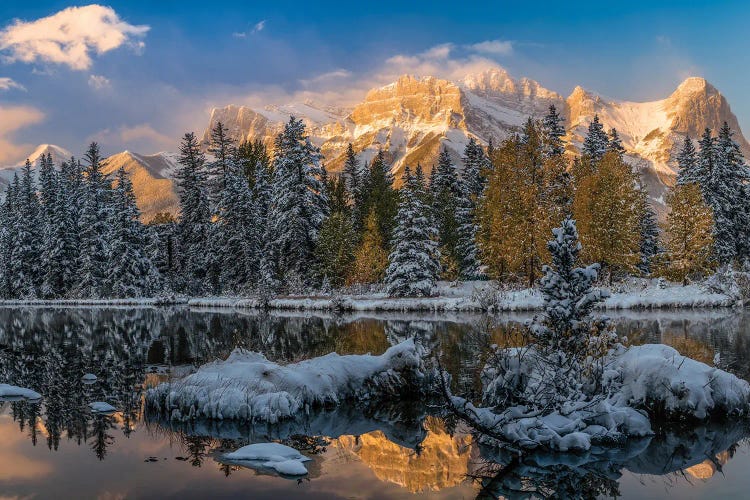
102, 407
89, 378
283, 459
642, 384
14, 392
658, 378
247, 386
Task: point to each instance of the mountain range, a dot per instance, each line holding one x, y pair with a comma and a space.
413, 117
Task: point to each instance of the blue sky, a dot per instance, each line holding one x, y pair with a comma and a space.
136, 75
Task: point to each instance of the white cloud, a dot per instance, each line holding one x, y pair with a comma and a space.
12, 119
8, 83
70, 36
259, 26
493, 47
99, 82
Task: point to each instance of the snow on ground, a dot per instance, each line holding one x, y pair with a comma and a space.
14, 392
485, 295
102, 407
283, 459
247, 386
639, 381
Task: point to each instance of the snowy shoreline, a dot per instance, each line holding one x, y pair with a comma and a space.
477, 296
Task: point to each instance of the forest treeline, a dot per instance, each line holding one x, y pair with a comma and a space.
260, 222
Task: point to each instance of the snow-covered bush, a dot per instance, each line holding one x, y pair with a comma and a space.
730, 281
573, 383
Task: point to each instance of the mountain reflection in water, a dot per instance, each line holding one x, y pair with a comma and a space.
392, 450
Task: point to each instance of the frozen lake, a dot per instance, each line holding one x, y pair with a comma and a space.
59, 448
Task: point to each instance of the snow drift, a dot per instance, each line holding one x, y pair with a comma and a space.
247, 386
641, 384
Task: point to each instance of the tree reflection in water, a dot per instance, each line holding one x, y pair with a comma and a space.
49, 350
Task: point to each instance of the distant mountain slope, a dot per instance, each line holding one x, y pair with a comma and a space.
152, 180
413, 117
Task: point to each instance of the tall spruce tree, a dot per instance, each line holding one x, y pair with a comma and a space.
553, 126
615, 143
193, 228
596, 142
299, 204
734, 178
475, 163
379, 195
94, 250
26, 247
687, 162
131, 272
649, 233
447, 196
414, 263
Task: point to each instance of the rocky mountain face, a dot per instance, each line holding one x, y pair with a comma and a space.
412, 118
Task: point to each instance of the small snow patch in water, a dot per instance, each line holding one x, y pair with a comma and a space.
14, 392
102, 407
89, 378
281, 458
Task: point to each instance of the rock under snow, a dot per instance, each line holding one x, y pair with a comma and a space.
247, 386
89, 378
281, 458
14, 392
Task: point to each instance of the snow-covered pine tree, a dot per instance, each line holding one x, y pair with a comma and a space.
466, 245
553, 126
299, 205
26, 253
565, 334
94, 250
224, 152
596, 142
10, 230
131, 272
260, 202
704, 171
351, 174
233, 232
687, 163
735, 176
414, 263
59, 252
475, 162
447, 195
193, 227
615, 143
649, 233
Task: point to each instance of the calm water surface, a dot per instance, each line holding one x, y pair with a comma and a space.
58, 449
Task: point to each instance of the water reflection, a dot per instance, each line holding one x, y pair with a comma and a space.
407, 447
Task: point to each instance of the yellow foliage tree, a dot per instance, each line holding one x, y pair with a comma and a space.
370, 259
607, 210
688, 240
526, 196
